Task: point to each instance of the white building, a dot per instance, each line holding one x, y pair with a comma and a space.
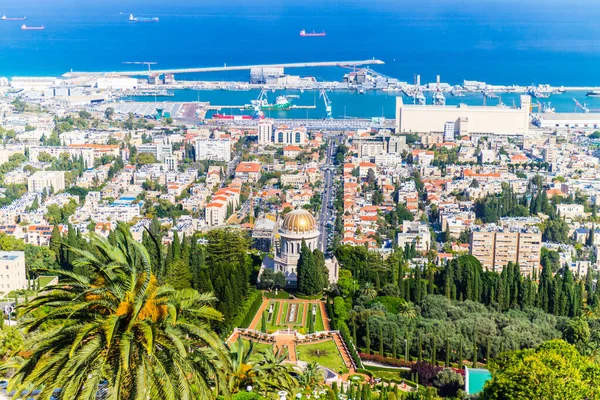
159, 151
467, 119
56, 151
449, 131
116, 83
115, 212
284, 134
12, 271
265, 131
570, 210
414, 232
213, 149
49, 180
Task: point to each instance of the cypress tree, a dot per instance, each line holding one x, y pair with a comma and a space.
448, 350
420, 354
488, 350
460, 355
433, 352
368, 338
310, 279
381, 351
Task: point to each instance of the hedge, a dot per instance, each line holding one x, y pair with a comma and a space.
385, 360
345, 334
246, 312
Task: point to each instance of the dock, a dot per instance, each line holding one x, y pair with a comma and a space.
74, 74
228, 107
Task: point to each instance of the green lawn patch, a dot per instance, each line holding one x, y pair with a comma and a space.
281, 294
319, 324
45, 280
325, 353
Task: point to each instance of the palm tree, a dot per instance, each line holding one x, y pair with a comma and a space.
311, 375
368, 291
264, 371
406, 310
114, 325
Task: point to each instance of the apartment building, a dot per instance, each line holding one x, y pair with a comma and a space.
496, 246
12, 271
213, 149
49, 180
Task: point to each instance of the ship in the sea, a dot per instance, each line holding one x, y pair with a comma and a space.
32, 28
536, 93
593, 93
282, 103
5, 18
142, 19
303, 33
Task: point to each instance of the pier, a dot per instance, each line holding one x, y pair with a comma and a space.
74, 74
229, 107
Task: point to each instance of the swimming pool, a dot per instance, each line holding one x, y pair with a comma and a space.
475, 378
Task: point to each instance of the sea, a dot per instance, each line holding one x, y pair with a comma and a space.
505, 42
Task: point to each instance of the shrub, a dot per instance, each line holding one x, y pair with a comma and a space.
449, 382
385, 360
426, 372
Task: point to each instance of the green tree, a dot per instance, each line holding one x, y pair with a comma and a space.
310, 278
555, 370
179, 275
116, 324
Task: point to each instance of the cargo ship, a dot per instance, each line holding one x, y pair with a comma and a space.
5, 18
593, 93
142, 19
303, 33
32, 28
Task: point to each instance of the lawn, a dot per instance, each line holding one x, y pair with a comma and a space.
258, 347
281, 294
279, 322
325, 353
319, 325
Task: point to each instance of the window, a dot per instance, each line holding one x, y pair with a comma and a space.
280, 137
297, 137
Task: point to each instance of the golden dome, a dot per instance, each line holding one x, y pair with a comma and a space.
299, 221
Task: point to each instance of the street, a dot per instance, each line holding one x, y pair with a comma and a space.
327, 196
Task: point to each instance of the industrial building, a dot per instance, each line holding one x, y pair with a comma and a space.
467, 119
566, 121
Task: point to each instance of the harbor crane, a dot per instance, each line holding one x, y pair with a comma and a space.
148, 63
327, 102
583, 106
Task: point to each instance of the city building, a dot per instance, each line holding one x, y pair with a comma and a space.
297, 226
290, 135
12, 271
263, 234
50, 180
265, 131
467, 119
496, 246
248, 171
449, 131
416, 233
213, 149
159, 151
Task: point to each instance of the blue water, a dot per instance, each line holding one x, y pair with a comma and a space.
353, 105
499, 41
